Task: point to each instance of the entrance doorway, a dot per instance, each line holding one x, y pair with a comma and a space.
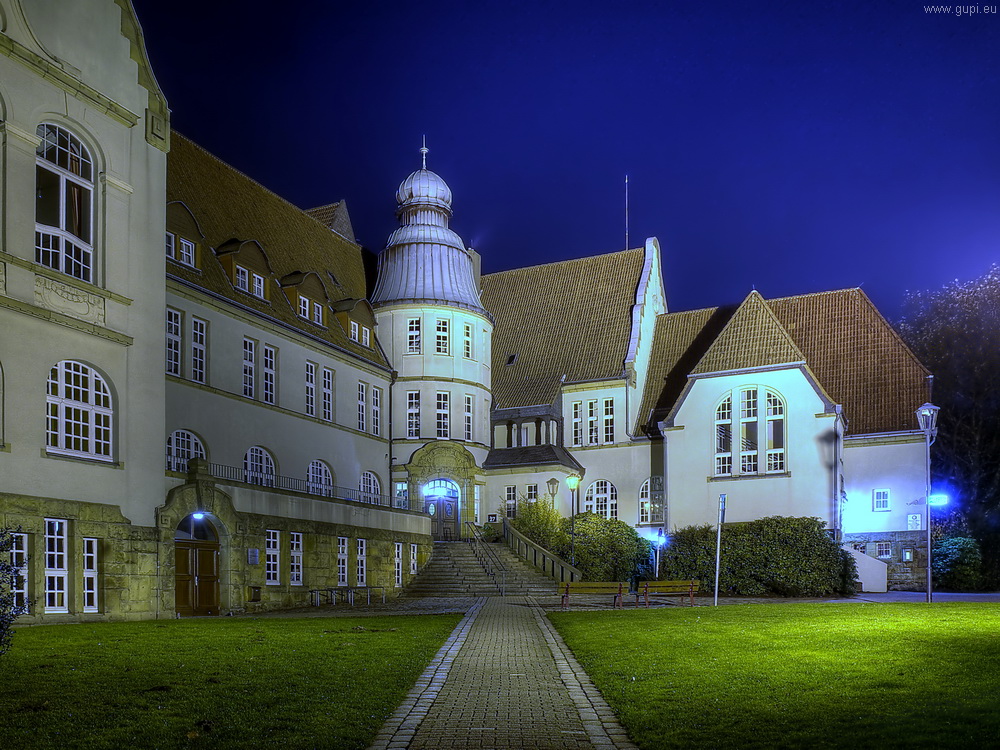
196, 566
441, 499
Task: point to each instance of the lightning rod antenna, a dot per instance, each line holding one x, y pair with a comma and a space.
626, 212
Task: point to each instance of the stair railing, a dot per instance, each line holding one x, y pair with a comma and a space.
487, 557
539, 557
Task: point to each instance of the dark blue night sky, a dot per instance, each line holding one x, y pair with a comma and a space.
792, 147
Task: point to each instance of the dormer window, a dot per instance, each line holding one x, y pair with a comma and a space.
180, 250
250, 282
366, 335
354, 330
310, 310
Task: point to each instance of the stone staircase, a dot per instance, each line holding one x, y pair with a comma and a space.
454, 571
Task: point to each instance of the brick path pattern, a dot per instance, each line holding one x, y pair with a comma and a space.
504, 679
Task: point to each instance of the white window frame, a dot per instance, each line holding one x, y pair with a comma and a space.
186, 252
754, 418
443, 415
327, 395
362, 406
259, 288
258, 467
362, 563
649, 512
182, 446
304, 305
295, 558
369, 487
354, 330
609, 420
174, 327
467, 350
402, 496
366, 336
56, 566
199, 347
272, 557
171, 242
376, 416
62, 154
310, 385
398, 564
413, 559
317, 313
602, 499
319, 478
510, 500
469, 402
79, 413
442, 336
19, 561
249, 368
413, 335
881, 500
242, 279
883, 550
577, 419
413, 414
593, 434
269, 371
342, 560
531, 492
89, 569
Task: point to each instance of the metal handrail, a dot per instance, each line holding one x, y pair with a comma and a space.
487, 557
539, 557
294, 484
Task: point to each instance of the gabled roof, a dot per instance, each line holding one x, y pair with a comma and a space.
531, 455
853, 352
335, 217
228, 207
570, 318
753, 337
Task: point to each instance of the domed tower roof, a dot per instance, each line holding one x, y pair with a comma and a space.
424, 260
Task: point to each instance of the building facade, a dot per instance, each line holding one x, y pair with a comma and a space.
205, 409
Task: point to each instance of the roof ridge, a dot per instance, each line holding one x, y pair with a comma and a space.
566, 261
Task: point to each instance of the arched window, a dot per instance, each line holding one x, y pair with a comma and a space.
370, 488
651, 501
760, 426
64, 189
319, 478
602, 499
258, 467
182, 446
79, 412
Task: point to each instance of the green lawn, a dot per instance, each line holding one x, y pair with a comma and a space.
797, 675
212, 683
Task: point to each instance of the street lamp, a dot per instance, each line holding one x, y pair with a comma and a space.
573, 482
553, 485
927, 416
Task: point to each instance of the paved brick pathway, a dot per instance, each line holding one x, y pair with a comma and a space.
505, 680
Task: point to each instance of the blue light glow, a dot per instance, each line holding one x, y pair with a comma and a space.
197, 516
937, 499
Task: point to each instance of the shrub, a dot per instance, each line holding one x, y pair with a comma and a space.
956, 564
778, 555
8, 574
539, 521
606, 549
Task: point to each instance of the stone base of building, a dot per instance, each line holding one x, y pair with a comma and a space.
904, 552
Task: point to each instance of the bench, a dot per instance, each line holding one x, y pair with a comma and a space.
346, 593
645, 589
615, 589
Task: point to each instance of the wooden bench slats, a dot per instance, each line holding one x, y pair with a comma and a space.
666, 588
615, 588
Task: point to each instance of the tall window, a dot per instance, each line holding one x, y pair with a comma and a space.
592, 429
602, 499
258, 467
370, 487
442, 345
467, 340
362, 562
413, 559
413, 336
90, 575
609, 420
650, 503
272, 551
64, 188
376, 411
55, 565
327, 394
249, 368
398, 560
79, 412
182, 446
402, 497
319, 478
270, 372
362, 406
173, 342
510, 500
468, 417
413, 414
19, 561
577, 423
443, 416
310, 389
751, 421
199, 342
342, 561
295, 558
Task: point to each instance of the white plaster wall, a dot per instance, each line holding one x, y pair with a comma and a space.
692, 491
893, 462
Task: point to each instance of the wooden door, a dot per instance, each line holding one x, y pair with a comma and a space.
197, 577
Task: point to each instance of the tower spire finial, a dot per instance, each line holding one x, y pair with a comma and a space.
423, 153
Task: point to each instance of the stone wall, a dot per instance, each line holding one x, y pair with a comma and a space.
903, 574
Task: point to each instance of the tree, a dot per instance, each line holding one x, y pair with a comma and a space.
9, 611
955, 332
539, 521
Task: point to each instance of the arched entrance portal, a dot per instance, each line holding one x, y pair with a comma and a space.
441, 501
196, 567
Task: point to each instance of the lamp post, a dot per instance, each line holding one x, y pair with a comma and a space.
573, 482
553, 485
927, 416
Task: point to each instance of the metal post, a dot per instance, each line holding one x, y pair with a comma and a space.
572, 528
927, 502
718, 544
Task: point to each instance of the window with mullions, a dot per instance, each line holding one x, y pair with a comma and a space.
577, 423
272, 550
199, 344
413, 559
362, 567
413, 414
310, 389
55, 565
442, 345
413, 336
341, 560
295, 558
468, 417
880, 500
90, 603
443, 416
249, 368
79, 412
649, 511
64, 188
398, 560
510, 500
258, 467
592, 434
327, 394
19, 561
376, 411
182, 446
609, 420
602, 499
362, 406
751, 423
270, 373
319, 478
370, 487
174, 324
467, 340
